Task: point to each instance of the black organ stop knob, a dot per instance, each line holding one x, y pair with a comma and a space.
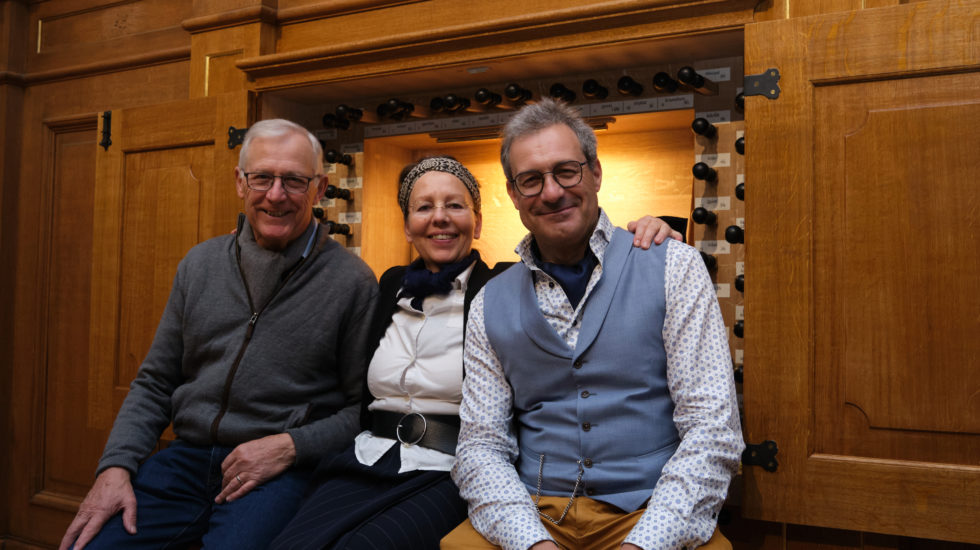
627, 86
334, 192
395, 109
334, 228
517, 94
704, 172
333, 157
738, 374
317, 212
701, 85
561, 92
455, 103
740, 101
735, 234
437, 105
484, 96
739, 329
701, 126
709, 261
703, 216
663, 83
349, 113
593, 90
740, 283
740, 191
740, 145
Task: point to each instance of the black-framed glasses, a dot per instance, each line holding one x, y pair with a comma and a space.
566, 174
262, 182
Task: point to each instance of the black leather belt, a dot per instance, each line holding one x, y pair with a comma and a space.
432, 431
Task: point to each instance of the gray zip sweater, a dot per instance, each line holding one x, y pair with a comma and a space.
226, 372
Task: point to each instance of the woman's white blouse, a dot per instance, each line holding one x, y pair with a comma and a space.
418, 367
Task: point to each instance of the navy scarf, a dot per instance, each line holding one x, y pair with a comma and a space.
419, 283
573, 278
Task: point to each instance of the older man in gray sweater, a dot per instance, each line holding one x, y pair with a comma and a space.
258, 362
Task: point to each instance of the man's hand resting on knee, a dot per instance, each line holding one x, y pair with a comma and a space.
111, 493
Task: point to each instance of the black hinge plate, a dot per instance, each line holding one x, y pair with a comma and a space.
235, 136
763, 454
106, 130
764, 84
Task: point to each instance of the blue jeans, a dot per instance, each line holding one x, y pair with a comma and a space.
175, 492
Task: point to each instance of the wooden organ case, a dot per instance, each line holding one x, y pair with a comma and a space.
855, 333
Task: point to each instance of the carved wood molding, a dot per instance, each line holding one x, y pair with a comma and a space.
336, 7
253, 14
118, 64
8, 78
507, 28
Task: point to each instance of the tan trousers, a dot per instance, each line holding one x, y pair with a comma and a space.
589, 525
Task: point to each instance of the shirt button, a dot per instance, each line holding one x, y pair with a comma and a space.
577, 364
588, 462
551, 285
585, 393
587, 426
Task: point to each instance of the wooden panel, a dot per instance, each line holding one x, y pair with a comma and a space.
160, 223
90, 26
854, 241
80, 33
896, 226
70, 448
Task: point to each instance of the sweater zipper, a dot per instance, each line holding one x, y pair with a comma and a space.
226, 392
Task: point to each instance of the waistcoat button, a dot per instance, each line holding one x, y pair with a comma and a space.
585, 393
588, 462
586, 426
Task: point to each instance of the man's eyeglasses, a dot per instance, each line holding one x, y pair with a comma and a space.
262, 182
425, 209
566, 174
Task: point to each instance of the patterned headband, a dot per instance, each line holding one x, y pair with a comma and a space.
438, 164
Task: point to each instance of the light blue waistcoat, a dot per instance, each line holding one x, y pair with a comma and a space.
604, 408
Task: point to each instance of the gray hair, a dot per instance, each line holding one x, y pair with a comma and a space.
279, 127
536, 117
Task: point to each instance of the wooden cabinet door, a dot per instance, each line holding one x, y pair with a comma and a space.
862, 356
165, 184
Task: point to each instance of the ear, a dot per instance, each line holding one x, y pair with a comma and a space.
240, 186
477, 225
408, 234
597, 173
515, 197
321, 188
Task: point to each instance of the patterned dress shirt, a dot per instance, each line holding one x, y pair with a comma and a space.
683, 506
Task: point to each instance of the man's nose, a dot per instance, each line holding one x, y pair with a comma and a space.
550, 190
278, 191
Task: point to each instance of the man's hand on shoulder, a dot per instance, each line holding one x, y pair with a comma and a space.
649, 230
253, 463
111, 492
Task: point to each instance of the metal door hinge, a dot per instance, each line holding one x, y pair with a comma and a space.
764, 84
106, 130
763, 454
235, 136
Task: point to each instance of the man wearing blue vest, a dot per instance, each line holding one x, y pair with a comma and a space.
598, 406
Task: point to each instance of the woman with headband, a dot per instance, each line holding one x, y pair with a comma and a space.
392, 488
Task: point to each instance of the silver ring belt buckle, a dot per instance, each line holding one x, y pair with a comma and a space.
403, 424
